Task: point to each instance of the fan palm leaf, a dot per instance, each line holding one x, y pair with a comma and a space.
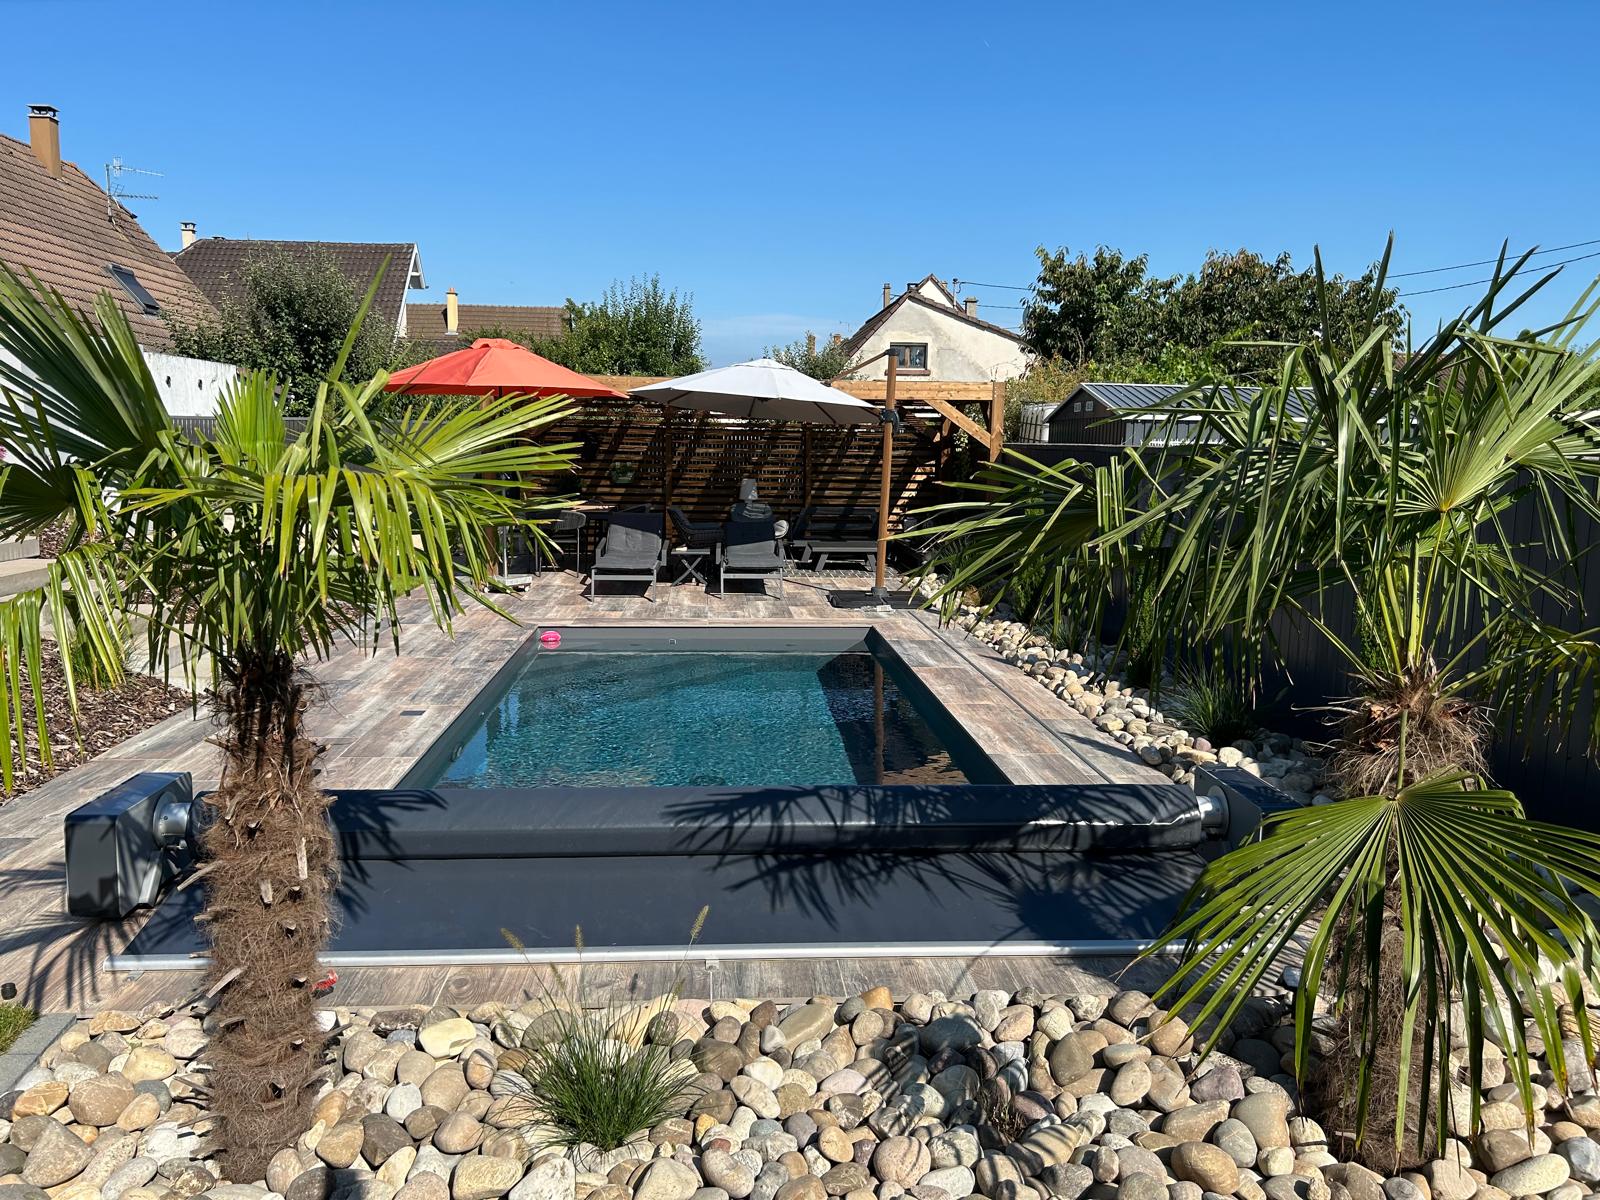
1485, 902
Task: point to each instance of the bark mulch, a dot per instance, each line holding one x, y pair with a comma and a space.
104, 719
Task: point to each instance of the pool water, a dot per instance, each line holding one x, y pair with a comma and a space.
689, 719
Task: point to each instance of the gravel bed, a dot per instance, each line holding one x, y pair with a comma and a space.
1010, 1097
1094, 686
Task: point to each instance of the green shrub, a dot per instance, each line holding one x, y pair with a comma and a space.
1209, 700
600, 1076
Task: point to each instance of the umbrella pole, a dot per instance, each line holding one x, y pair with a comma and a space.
805, 447
884, 471
666, 469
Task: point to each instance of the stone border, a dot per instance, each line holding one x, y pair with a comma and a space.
34, 1041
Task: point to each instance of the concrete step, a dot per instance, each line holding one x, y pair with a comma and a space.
23, 548
20, 574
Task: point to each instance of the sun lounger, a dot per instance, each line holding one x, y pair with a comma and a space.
825, 532
750, 550
632, 548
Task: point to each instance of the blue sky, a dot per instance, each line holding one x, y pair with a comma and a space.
781, 162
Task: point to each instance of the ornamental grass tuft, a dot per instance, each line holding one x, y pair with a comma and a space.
1209, 699
598, 1076
14, 1018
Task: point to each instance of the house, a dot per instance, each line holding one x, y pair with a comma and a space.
57, 223
216, 265
935, 337
447, 326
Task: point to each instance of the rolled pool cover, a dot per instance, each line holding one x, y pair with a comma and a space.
551, 822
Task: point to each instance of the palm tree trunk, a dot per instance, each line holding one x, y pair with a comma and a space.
272, 851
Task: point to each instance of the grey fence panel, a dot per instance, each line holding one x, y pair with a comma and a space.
206, 426
1548, 767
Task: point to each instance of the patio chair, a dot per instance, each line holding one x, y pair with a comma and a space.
568, 529
750, 550
632, 548
824, 532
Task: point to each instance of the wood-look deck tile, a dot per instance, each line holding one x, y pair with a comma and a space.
58, 960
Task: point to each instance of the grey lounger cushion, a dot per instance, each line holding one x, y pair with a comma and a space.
751, 546
633, 542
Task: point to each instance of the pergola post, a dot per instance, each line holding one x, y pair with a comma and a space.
997, 419
878, 589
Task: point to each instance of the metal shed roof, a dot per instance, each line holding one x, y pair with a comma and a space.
1130, 398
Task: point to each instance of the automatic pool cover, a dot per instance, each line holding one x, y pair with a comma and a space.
434, 876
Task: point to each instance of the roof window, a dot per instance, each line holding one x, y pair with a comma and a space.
130, 284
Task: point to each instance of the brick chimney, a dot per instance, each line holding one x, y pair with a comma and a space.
888, 295
452, 312
186, 233
972, 305
44, 136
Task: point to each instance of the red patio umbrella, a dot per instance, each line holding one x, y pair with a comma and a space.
494, 367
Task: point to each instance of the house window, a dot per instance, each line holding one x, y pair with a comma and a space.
130, 284
912, 356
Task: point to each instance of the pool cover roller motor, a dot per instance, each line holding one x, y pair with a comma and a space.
126, 845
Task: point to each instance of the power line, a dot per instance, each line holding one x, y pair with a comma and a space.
1010, 287
1489, 262
1479, 282
1486, 262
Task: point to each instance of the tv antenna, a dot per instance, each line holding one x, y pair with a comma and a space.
116, 191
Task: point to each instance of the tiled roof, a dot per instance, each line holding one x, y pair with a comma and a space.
859, 338
60, 230
425, 322
217, 266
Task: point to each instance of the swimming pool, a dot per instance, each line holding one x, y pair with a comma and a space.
692, 708
802, 782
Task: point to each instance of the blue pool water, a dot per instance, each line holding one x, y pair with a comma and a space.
589, 719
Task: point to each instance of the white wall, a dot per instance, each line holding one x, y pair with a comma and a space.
189, 386
957, 351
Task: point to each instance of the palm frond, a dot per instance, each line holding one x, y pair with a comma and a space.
1483, 900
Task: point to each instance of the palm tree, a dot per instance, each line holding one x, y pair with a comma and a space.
1385, 479
246, 554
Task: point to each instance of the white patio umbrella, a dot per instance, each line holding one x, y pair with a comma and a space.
765, 388
769, 389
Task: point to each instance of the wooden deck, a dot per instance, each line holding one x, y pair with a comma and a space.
380, 713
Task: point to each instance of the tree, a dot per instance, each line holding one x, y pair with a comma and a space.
253, 551
289, 315
1082, 309
1438, 913
1241, 297
822, 361
1109, 310
637, 328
